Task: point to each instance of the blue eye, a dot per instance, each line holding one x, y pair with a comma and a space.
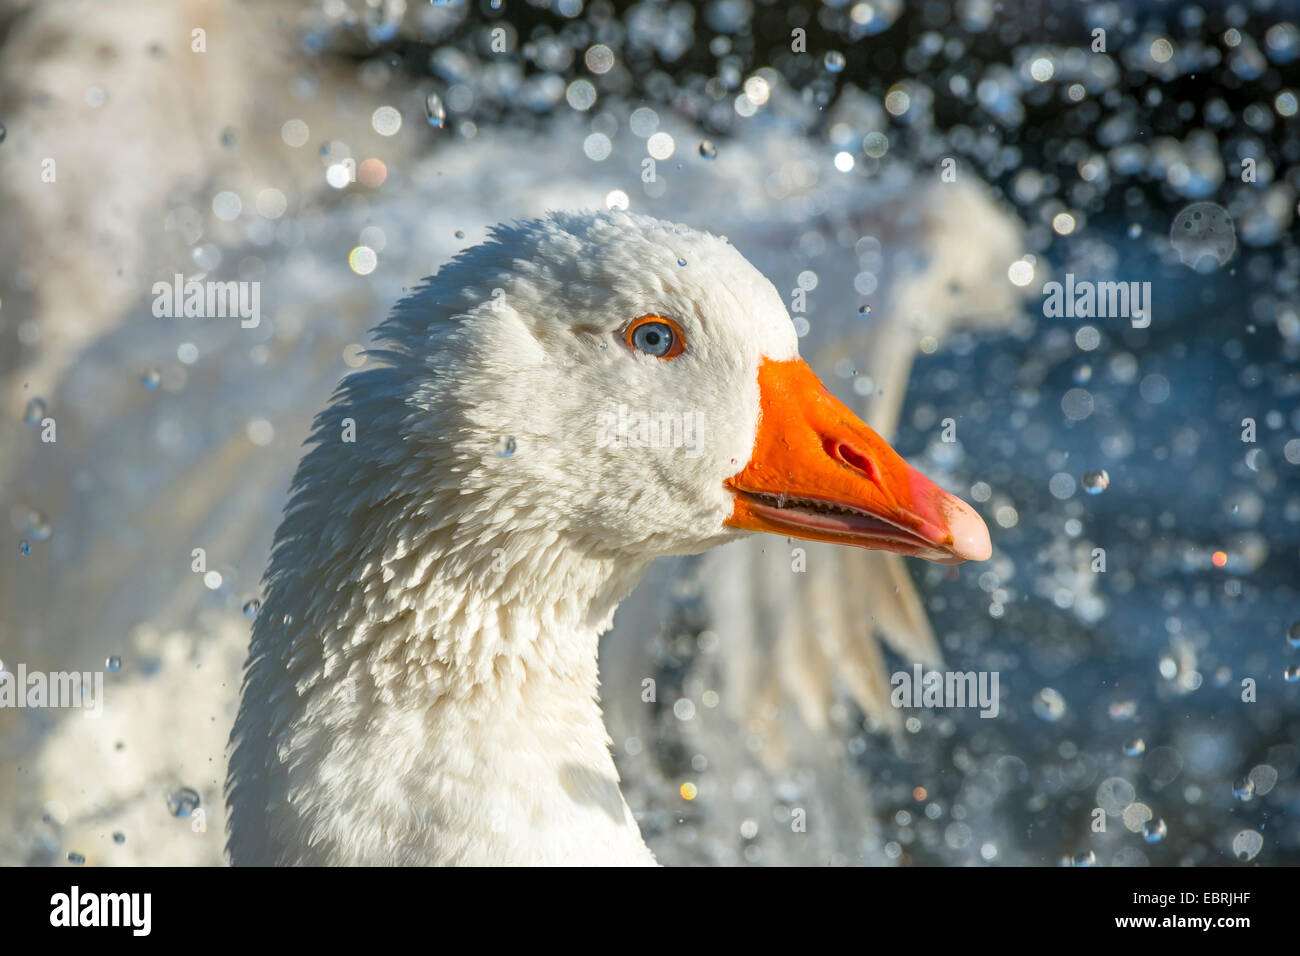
658, 337
653, 338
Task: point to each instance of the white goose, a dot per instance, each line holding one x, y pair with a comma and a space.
422, 681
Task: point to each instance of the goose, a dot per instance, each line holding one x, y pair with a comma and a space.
421, 685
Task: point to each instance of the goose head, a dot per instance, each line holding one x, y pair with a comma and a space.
634, 387
553, 410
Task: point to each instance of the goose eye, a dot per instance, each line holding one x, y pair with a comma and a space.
655, 336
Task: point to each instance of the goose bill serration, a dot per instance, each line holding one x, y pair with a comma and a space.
422, 683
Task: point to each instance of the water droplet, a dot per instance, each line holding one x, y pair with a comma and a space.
1049, 704
35, 411
1153, 831
505, 447
864, 310
1247, 844
1264, 777
1243, 789
681, 261
251, 607
1122, 709
1204, 236
834, 61
1095, 482
151, 379
1291, 674
24, 547
1135, 746
434, 111
76, 859
460, 234
708, 150
119, 837
1086, 858
183, 802
1293, 635
114, 663
38, 526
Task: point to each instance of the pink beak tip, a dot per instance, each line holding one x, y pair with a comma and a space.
970, 535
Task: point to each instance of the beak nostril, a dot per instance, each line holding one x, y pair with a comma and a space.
848, 455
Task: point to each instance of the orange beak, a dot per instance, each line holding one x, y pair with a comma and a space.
819, 472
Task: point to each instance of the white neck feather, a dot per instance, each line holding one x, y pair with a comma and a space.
423, 678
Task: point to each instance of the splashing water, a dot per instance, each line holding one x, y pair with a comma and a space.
434, 111
1095, 482
183, 801
1153, 831
38, 526
1247, 844
1049, 704
1204, 236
